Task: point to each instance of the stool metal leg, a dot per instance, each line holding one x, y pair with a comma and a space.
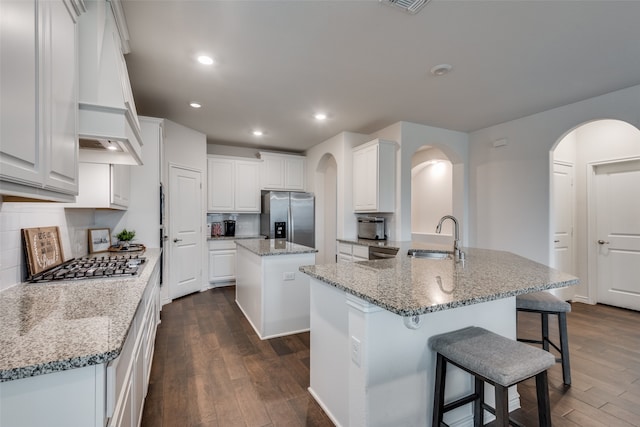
478, 411
438, 395
545, 330
564, 348
542, 393
502, 406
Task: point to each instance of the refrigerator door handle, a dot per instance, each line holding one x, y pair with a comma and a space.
291, 225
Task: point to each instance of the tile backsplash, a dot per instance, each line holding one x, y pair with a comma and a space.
73, 225
246, 224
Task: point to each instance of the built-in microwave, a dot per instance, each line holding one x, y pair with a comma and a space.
370, 227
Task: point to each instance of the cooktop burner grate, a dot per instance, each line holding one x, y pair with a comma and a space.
95, 267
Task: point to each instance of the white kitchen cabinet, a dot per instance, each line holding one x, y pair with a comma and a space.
103, 186
282, 172
348, 252
374, 170
39, 109
222, 261
233, 185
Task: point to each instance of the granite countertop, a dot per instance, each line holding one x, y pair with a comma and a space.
402, 246
235, 237
55, 326
268, 247
413, 286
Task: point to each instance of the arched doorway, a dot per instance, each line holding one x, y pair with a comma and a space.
579, 163
326, 209
431, 195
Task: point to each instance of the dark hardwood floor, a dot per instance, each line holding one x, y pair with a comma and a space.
211, 369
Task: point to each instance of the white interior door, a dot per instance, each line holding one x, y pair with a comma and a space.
563, 241
617, 193
185, 223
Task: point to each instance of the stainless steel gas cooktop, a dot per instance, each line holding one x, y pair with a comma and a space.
94, 267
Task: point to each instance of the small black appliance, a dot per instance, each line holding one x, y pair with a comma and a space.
229, 227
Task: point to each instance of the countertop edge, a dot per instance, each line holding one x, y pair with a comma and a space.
437, 307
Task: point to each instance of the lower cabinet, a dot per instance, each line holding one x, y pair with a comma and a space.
348, 252
102, 395
128, 375
222, 261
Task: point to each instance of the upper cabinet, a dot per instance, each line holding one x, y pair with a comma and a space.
374, 172
233, 185
282, 171
103, 186
38, 112
107, 111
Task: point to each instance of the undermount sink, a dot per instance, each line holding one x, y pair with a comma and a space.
421, 253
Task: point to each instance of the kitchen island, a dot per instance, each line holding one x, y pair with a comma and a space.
371, 321
270, 291
79, 352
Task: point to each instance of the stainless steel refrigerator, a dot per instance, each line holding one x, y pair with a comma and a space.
288, 215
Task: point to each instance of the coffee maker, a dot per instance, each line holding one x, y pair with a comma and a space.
229, 227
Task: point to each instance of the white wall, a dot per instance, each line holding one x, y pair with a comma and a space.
15, 216
339, 147
509, 186
411, 137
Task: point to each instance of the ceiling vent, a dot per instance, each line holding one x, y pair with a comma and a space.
410, 6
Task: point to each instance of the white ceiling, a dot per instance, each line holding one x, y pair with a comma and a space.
367, 64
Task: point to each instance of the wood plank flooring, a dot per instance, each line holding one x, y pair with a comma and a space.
210, 369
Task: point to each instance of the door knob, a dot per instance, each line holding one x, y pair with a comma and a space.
556, 241
177, 240
602, 242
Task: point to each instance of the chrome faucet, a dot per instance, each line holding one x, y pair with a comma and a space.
457, 253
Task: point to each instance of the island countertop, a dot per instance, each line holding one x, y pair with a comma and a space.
49, 327
412, 286
269, 247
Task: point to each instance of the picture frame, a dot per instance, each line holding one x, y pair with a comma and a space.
99, 239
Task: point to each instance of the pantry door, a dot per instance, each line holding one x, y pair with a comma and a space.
185, 235
617, 239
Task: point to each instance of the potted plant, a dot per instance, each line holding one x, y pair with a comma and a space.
125, 237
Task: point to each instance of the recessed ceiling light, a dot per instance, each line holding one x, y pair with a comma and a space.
195, 105
205, 60
441, 69
258, 132
320, 116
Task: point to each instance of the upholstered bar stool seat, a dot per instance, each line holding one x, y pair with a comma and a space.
494, 359
545, 304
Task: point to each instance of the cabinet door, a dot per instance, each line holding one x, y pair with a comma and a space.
20, 156
247, 191
294, 174
120, 185
364, 179
59, 97
273, 177
222, 265
220, 185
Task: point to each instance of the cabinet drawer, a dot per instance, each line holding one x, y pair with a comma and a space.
361, 251
345, 248
219, 245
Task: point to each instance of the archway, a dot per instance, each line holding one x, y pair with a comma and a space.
431, 195
326, 209
573, 159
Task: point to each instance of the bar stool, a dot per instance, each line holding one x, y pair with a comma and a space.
545, 303
494, 359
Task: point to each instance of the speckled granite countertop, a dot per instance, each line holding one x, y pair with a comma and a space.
268, 247
412, 286
235, 237
49, 327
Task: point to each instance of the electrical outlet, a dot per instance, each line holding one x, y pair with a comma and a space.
289, 275
355, 350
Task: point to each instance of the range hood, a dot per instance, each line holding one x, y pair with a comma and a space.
108, 127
